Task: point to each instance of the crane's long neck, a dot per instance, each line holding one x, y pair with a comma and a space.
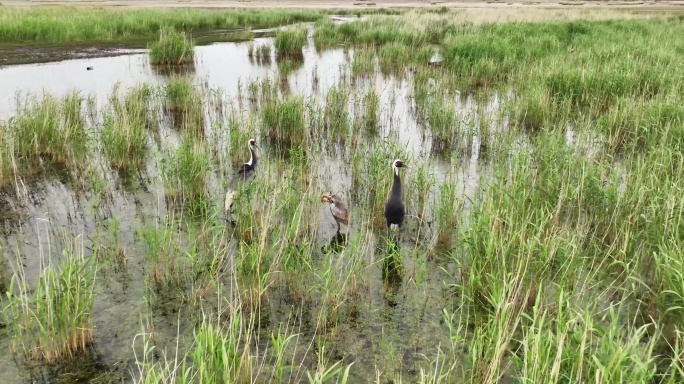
396, 184
252, 157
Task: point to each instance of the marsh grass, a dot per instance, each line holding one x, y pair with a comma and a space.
68, 24
260, 54
442, 122
214, 355
421, 184
185, 102
336, 112
290, 42
50, 129
172, 48
138, 104
169, 271
284, 122
184, 170
54, 323
446, 211
393, 57
364, 61
123, 131
371, 114
566, 268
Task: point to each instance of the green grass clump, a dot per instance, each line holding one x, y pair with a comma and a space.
138, 105
72, 24
364, 61
393, 57
48, 129
123, 133
53, 129
185, 102
184, 171
446, 212
284, 121
54, 323
180, 93
289, 42
336, 113
371, 115
172, 48
441, 118
375, 31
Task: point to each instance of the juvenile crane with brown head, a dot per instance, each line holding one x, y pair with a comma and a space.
338, 208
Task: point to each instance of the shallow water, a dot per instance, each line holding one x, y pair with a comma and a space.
409, 314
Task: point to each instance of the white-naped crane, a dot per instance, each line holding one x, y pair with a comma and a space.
245, 171
394, 207
338, 209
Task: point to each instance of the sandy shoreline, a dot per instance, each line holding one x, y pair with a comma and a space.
351, 4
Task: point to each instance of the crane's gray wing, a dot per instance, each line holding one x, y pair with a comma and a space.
339, 209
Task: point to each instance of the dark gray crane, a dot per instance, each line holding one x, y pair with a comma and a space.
394, 207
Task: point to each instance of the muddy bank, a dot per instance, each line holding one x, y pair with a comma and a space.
13, 55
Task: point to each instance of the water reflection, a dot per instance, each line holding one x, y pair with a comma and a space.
336, 244
174, 70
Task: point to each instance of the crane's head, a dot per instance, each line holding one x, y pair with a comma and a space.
325, 198
252, 143
398, 164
